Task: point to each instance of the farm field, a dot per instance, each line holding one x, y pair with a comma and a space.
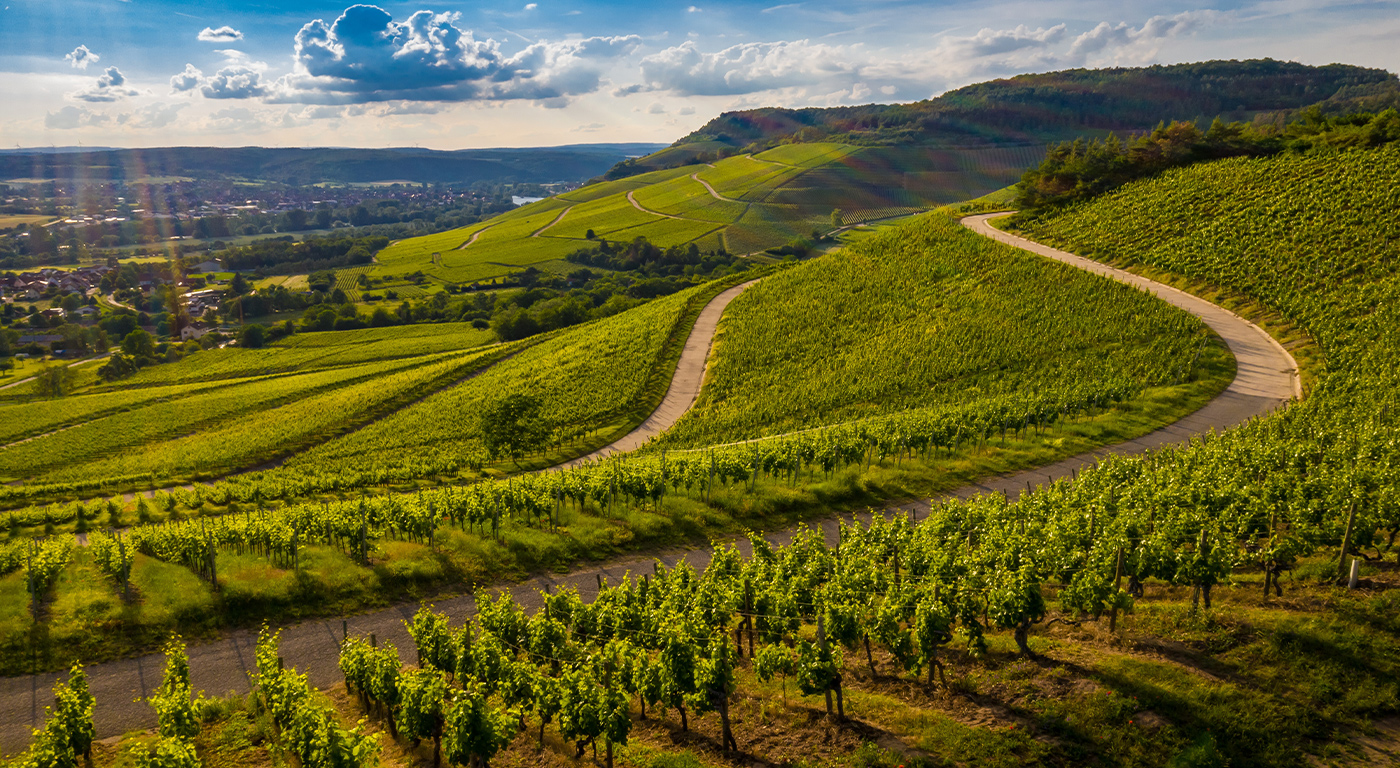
772, 198
85, 450
9, 220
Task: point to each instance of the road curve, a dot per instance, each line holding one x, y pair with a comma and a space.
712, 191
1264, 369
1265, 379
685, 383
475, 235
639, 207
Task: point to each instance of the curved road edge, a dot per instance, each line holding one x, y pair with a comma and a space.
686, 382
1265, 380
1264, 369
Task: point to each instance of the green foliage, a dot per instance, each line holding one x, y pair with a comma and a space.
474, 731
173, 701
308, 730
513, 426
927, 315
1079, 170
67, 732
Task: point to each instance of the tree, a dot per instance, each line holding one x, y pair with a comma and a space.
514, 427
55, 381
139, 345
118, 366
837, 218
240, 284
252, 337
179, 317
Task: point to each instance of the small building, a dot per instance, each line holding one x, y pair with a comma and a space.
45, 339
192, 332
212, 265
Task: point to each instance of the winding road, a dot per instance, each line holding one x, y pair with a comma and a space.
712, 191
685, 383
1266, 378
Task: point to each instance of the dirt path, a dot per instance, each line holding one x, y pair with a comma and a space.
639, 207
712, 191
1264, 367
84, 361
685, 383
1265, 379
477, 234
556, 220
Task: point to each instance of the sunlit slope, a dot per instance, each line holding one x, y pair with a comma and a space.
743, 204
926, 315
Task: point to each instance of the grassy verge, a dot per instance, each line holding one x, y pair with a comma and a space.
170, 598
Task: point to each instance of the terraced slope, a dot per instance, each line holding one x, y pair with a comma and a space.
742, 204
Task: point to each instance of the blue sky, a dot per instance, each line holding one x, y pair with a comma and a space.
453, 75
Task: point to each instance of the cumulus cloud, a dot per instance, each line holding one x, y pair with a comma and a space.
70, 117
236, 81
81, 57
995, 42
224, 34
531, 6
746, 68
365, 56
656, 108
110, 86
1105, 36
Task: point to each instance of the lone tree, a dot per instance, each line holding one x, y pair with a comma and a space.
514, 427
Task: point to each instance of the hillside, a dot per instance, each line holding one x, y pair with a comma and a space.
1054, 106
756, 180
320, 165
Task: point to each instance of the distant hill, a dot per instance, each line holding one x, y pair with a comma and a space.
319, 165
1054, 106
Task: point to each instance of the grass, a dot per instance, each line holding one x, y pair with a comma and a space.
10, 220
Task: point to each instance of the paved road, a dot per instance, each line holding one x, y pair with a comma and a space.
1266, 379
685, 383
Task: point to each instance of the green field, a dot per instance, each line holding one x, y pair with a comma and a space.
586, 377
771, 199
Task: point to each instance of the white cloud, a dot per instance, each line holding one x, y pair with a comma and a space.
110, 86
236, 81
590, 128
993, 42
70, 117
686, 111
1106, 37
746, 68
656, 108
694, 9
531, 6
81, 57
783, 7
365, 56
224, 34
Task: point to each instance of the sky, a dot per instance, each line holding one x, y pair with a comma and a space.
454, 75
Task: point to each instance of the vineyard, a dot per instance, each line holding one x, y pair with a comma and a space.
812, 346
1174, 608
893, 645
770, 199
325, 530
